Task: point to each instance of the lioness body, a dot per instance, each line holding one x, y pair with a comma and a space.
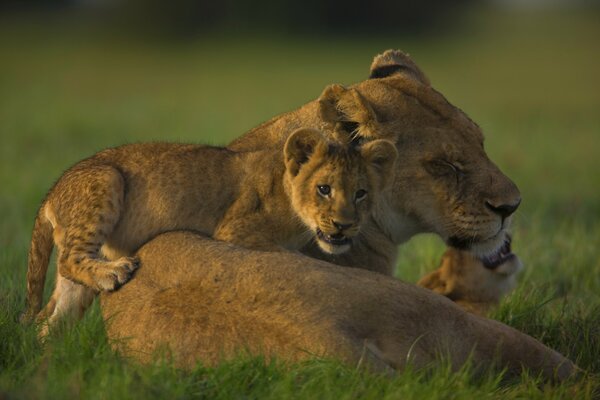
219, 300
120, 198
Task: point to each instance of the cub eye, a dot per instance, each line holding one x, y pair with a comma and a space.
360, 195
324, 190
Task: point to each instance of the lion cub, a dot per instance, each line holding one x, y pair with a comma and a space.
105, 207
474, 284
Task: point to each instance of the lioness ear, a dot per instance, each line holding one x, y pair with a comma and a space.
348, 111
299, 147
393, 62
381, 154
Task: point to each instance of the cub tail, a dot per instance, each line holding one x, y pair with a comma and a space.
42, 242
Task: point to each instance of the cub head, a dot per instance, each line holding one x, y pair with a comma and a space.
333, 186
475, 284
444, 181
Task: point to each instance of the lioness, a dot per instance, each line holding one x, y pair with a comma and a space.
443, 183
105, 207
219, 299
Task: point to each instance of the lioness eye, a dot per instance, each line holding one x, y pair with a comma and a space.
324, 190
442, 167
453, 167
360, 194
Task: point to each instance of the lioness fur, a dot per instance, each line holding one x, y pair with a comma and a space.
219, 300
105, 207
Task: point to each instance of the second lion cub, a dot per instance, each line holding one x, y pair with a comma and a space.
105, 207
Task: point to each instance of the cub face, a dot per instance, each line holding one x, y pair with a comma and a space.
333, 186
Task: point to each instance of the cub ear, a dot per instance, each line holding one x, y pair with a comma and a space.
395, 62
348, 111
300, 146
381, 154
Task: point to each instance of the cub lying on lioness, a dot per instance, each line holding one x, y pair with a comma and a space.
219, 299
105, 207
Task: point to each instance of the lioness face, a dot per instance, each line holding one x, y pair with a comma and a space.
455, 190
443, 181
333, 187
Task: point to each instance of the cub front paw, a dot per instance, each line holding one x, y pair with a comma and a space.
116, 273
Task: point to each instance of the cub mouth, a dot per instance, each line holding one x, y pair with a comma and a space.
337, 239
502, 255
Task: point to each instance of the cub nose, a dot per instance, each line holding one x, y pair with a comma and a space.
341, 226
503, 210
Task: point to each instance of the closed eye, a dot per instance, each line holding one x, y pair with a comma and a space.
453, 167
441, 166
360, 194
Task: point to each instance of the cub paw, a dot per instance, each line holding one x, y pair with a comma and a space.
117, 273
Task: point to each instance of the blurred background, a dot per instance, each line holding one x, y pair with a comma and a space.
80, 75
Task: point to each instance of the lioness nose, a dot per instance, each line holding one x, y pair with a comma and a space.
503, 210
341, 226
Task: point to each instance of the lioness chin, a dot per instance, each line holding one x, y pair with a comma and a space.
219, 300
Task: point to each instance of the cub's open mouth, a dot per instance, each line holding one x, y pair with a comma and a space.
337, 239
502, 255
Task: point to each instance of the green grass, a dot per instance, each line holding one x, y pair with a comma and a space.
531, 81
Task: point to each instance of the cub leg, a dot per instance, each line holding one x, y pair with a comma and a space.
68, 303
87, 207
246, 236
249, 230
84, 208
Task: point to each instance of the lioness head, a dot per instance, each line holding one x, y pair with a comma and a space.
443, 181
333, 186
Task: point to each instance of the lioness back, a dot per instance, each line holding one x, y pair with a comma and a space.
220, 300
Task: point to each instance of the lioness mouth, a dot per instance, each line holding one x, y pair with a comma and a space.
337, 239
501, 256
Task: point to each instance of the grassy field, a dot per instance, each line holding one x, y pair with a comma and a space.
531, 81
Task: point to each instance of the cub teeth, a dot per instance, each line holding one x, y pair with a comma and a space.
336, 239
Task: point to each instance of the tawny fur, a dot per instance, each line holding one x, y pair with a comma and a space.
105, 207
466, 281
220, 300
